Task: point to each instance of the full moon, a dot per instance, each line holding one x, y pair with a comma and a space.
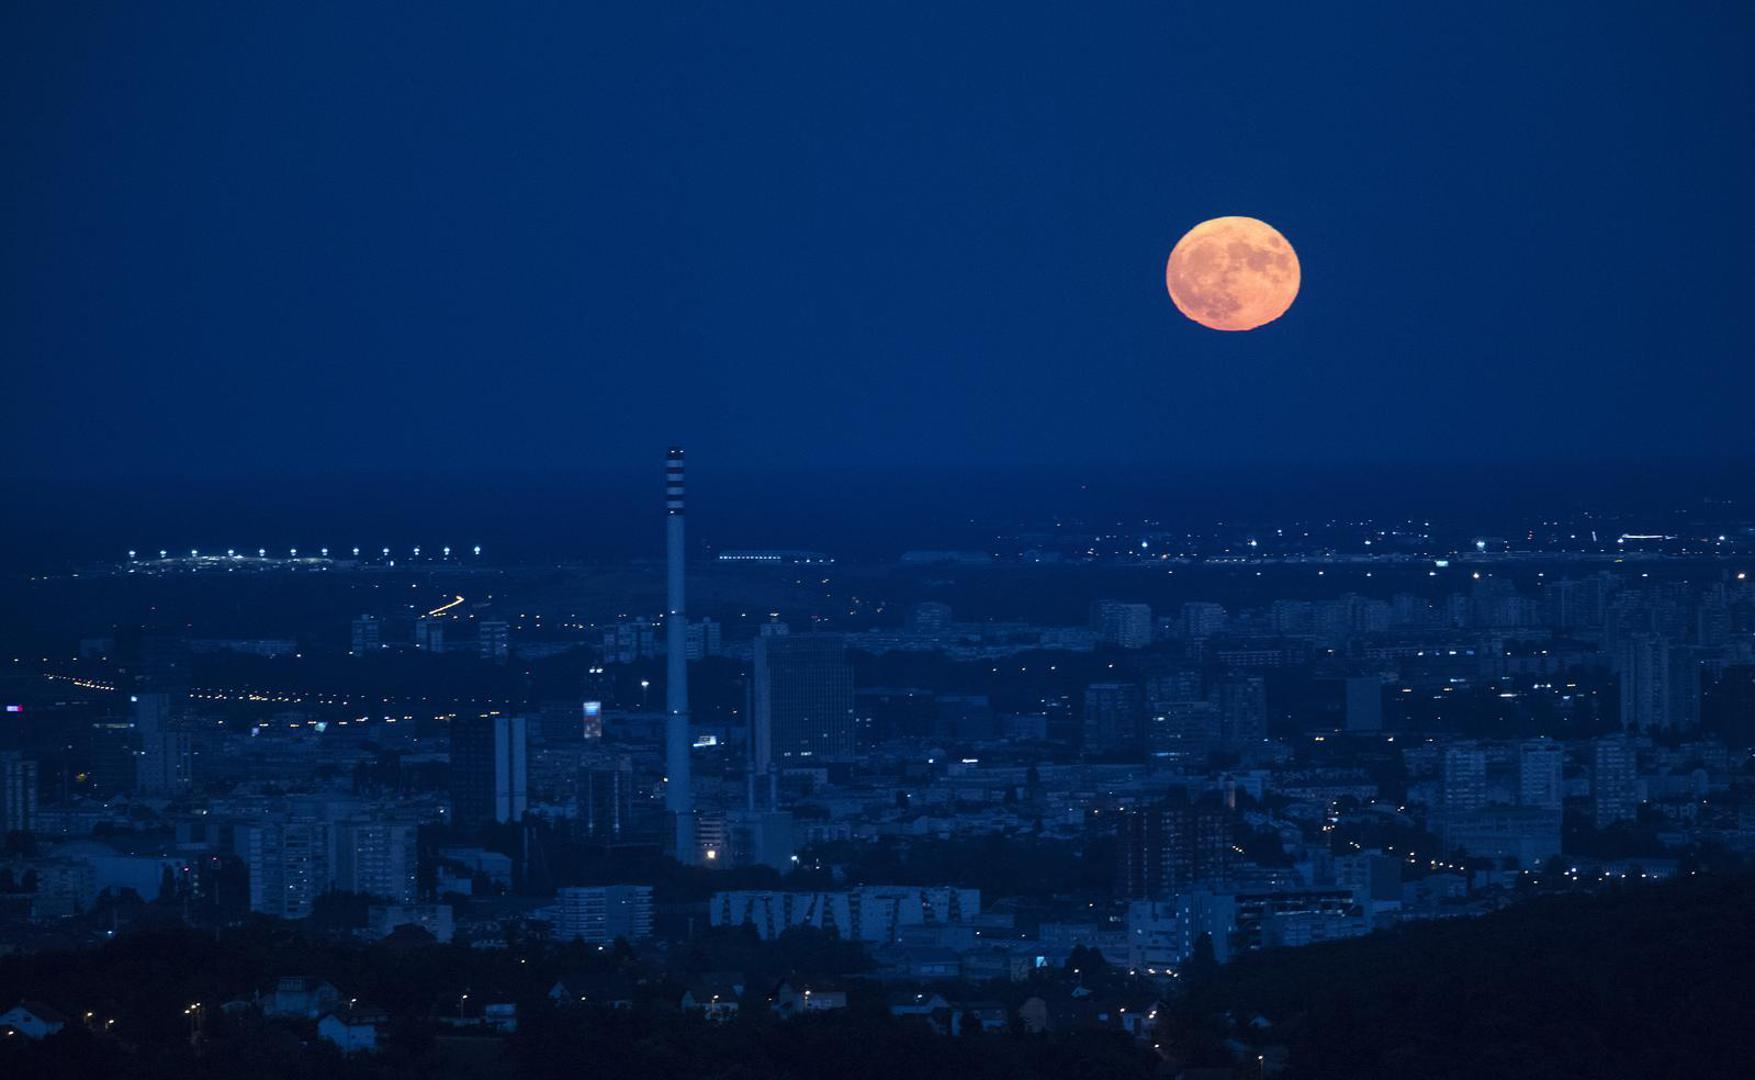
1233, 273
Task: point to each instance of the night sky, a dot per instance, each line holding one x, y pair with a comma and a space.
245, 238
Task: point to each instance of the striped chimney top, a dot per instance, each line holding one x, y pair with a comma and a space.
673, 481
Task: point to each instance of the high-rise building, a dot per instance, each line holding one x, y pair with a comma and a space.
429, 635
1465, 779
489, 770
166, 762
882, 713
1541, 774
599, 914
1660, 684
18, 792
151, 661
560, 722
494, 639
1112, 716
1126, 625
930, 617
606, 793
704, 639
1365, 703
1573, 605
115, 755
1172, 847
1188, 729
1242, 702
288, 864
630, 640
1173, 686
1202, 620
1614, 781
368, 635
803, 699
964, 717
377, 858
758, 838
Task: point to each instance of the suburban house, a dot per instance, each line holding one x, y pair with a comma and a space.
922, 1005
300, 996
790, 999
604, 989
500, 1016
988, 1015
715, 996
354, 1029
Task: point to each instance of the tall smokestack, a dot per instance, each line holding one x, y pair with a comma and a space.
678, 793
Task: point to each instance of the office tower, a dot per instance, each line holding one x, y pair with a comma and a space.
489, 770
1365, 703
165, 764
1112, 716
288, 864
494, 639
803, 700
1174, 846
1465, 779
18, 792
377, 858
1541, 774
930, 617
599, 914
606, 800
1242, 702
1614, 780
679, 793
368, 635
1128, 626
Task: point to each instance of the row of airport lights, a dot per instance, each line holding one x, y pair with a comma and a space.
262, 553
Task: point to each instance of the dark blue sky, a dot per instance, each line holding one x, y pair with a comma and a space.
242, 237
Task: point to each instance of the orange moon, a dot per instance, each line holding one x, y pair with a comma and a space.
1233, 273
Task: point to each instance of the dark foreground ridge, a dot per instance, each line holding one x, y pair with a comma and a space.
1646, 983
1643, 982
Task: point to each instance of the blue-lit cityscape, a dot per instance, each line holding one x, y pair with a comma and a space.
984, 541
954, 778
